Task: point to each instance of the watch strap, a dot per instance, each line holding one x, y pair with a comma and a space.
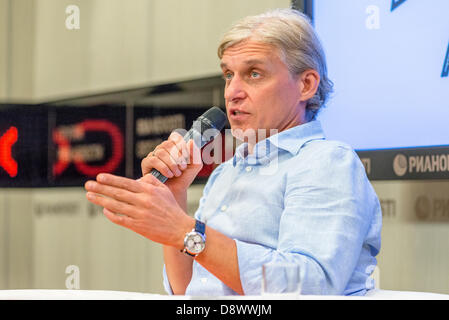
187, 252
200, 227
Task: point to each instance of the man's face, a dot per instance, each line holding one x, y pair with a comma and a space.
260, 93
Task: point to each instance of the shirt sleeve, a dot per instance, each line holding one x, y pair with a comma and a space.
166, 283
206, 189
328, 207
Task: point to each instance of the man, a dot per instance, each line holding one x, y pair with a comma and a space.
317, 209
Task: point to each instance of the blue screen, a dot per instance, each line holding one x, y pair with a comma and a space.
389, 61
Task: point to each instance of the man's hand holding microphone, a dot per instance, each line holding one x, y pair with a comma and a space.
155, 205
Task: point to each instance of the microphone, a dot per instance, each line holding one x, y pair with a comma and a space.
215, 119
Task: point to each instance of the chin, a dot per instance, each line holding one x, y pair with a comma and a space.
244, 134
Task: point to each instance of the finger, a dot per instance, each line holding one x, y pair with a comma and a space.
150, 179
117, 219
163, 163
177, 135
119, 194
181, 144
112, 205
169, 160
176, 147
194, 153
183, 151
152, 162
119, 182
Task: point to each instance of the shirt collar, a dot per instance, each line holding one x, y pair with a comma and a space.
294, 138
290, 140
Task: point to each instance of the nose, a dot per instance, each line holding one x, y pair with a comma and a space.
234, 90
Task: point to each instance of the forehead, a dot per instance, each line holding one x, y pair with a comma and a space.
249, 52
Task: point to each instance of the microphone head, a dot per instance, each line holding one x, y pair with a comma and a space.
213, 118
207, 127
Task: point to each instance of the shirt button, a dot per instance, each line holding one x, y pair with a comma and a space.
248, 169
224, 207
203, 280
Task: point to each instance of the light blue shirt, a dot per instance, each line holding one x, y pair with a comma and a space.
297, 198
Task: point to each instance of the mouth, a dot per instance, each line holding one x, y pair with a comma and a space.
237, 112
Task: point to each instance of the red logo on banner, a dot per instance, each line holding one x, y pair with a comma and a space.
7, 140
64, 148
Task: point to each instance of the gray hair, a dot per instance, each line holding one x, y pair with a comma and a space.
292, 33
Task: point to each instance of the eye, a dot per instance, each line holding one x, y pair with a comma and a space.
227, 76
255, 74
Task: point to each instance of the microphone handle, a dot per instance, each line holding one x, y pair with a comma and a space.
191, 134
159, 175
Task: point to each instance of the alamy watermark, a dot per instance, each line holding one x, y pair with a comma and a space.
258, 147
72, 21
72, 282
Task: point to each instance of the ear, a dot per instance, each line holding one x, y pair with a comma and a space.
308, 84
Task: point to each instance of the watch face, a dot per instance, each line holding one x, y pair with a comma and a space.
194, 242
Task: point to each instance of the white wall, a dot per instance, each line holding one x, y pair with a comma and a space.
18, 232
44, 231
108, 52
120, 44
17, 46
3, 243
185, 34
415, 232
3, 47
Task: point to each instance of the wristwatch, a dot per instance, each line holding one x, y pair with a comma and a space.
195, 240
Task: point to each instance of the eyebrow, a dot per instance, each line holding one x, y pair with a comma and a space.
247, 62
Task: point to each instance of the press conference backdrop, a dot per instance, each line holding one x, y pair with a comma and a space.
389, 61
52, 235
42, 146
46, 234
54, 231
